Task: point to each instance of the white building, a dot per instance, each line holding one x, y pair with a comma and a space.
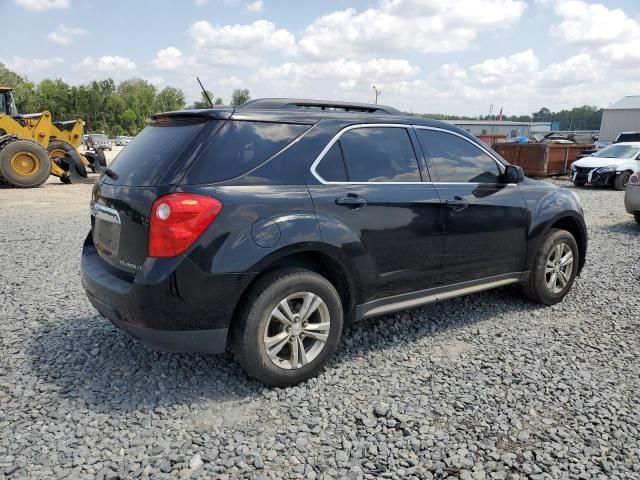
621, 116
507, 128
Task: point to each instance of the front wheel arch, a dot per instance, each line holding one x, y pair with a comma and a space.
570, 223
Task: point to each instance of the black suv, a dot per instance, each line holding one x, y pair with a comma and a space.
266, 228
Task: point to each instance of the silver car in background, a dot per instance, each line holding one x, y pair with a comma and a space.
632, 196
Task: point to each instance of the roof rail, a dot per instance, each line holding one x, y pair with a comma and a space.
295, 103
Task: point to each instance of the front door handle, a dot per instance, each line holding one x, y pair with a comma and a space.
457, 203
352, 201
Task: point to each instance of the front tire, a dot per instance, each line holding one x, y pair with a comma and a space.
578, 183
554, 268
288, 328
621, 180
636, 216
24, 164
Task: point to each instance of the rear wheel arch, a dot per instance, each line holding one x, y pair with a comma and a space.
322, 263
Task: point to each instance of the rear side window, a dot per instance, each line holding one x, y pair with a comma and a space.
240, 146
457, 160
379, 154
331, 168
151, 154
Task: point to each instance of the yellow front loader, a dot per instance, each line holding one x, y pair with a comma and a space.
32, 147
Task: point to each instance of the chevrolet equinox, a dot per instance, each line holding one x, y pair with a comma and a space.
266, 228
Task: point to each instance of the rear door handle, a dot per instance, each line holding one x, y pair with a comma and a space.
352, 201
457, 203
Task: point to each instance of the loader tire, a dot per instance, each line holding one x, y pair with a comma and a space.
24, 164
68, 159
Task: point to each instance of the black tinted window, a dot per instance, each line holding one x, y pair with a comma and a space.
150, 154
457, 160
240, 146
379, 154
331, 167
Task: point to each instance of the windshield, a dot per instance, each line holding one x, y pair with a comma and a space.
100, 138
618, 151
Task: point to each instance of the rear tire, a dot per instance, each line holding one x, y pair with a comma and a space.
636, 216
264, 344
24, 164
557, 249
621, 180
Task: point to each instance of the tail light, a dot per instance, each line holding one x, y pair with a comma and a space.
635, 179
177, 220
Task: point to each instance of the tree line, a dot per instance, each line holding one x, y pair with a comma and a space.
586, 117
122, 109
106, 106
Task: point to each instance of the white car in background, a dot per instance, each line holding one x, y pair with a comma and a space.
611, 166
122, 140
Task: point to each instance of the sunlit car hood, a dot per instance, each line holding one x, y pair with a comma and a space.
595, 162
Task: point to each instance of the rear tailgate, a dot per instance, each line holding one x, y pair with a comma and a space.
146, 169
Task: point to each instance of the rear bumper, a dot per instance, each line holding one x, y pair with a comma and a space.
204, 341
175, 307
632, 198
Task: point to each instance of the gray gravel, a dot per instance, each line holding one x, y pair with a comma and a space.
485, 387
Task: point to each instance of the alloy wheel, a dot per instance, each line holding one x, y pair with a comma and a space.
559, 267
297, 330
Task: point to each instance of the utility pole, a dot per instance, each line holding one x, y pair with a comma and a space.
377, 93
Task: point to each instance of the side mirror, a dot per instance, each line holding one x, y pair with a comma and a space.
513, 174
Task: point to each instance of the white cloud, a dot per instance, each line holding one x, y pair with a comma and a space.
171, 58
27, 66
240, 45
609, 35
200, 3
518, 67
255, 7
592, 25
370, 70
416, 25
40, 5
65, 35
108, 63
229, 82
577, 70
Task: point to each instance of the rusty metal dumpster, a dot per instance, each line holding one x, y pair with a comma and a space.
541, 159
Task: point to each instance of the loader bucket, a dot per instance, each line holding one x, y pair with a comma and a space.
75, 171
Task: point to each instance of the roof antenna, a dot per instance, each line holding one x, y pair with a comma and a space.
205, 92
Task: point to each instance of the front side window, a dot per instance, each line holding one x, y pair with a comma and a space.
457, 160
379, 154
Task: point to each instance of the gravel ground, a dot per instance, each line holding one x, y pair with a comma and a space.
488, 386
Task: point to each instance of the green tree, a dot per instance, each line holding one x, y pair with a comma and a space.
170, 99
240, 96
128, 121
203, 102
140, 97
219, 101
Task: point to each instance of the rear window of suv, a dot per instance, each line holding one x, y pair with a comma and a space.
239, 147
151, 153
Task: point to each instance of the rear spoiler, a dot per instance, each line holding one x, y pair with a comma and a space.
191, 116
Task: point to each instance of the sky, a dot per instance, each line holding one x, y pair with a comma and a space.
425, 56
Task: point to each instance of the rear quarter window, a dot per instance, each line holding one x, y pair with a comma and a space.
151, 154
240, 146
